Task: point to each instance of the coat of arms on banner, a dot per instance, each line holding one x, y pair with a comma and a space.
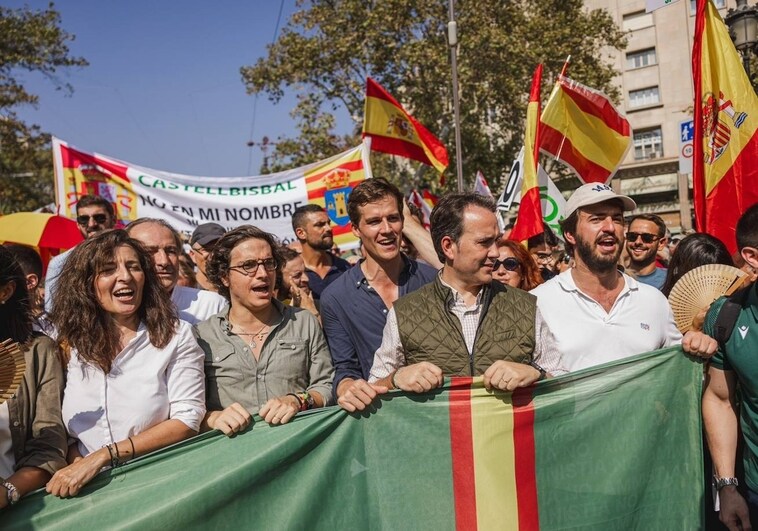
337, 184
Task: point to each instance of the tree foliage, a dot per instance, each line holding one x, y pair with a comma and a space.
30, 41
329, 47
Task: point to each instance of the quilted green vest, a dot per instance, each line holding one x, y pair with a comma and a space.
430, 332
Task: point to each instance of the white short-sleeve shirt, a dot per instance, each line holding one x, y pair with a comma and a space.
146, 386
195, 305
586, 335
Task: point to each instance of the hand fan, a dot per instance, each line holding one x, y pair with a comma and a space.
698, 288
12, 366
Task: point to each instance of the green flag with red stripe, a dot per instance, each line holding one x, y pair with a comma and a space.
613, 447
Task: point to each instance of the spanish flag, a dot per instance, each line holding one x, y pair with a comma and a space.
529, 221
329, 184
392, 130
582, 129
725, 167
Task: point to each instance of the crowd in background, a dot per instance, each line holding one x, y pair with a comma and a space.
138, 337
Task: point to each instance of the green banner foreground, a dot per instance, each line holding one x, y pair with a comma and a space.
612, 447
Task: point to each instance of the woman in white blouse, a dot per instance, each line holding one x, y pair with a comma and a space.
135, 380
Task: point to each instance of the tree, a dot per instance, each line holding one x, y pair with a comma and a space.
30, 41
329, 47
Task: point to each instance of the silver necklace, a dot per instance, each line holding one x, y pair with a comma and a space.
259, 335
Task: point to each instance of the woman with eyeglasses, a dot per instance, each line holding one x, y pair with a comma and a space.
32, 436
261, 356
135, 379
515, 266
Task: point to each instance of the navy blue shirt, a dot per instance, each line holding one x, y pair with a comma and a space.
353, 315
318, 284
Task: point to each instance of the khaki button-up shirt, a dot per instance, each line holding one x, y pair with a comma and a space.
294, 358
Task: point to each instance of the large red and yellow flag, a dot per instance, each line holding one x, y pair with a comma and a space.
725, 167
582, 129
393, 130
529, 221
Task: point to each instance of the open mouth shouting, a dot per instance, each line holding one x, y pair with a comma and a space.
261, 289
607, 244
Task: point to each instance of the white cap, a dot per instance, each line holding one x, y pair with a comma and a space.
594, 193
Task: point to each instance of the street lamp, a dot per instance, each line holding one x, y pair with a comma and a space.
743, 28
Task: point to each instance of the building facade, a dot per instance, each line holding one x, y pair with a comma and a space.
657, 96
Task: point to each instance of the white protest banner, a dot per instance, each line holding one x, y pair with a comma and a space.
185, 201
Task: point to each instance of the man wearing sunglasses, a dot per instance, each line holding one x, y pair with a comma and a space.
645, 237
94, 214
596, 313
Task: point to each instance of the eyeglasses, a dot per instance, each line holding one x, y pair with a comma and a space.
646, 238
510, 264
100, 219
250, 267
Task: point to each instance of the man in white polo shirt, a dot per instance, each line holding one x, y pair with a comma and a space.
596, 313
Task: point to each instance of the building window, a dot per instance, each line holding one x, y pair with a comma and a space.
720, 4
641, 58
637, 20
648, 144
644, 97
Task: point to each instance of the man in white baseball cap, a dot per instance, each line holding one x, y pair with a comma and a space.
596, 313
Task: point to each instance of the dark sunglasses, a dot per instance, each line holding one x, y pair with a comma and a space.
646, 238
510, 264
99, 219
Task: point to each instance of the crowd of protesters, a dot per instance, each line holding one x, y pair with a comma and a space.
137, 339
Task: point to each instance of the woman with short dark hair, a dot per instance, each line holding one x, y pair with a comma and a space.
694, 251
135, 379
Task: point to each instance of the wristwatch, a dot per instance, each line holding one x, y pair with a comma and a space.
543, 372
13, 494
720, 483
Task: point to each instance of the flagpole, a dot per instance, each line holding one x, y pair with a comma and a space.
452, 39
565, 66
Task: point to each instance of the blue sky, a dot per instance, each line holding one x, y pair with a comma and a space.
163, 88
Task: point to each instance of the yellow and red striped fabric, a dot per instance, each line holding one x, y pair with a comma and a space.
490, 470
582, 129
529, 221
725, 166
329, 185
393, 130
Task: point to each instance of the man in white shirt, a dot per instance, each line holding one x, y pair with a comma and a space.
596, 313
164, 244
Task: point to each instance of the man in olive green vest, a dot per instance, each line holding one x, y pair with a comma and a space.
464, 323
